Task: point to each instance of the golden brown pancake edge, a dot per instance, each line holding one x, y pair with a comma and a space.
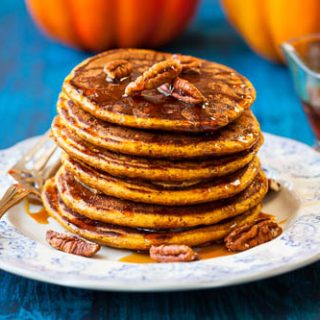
143, 191
148, 169
96, 206
238, 136
128, 238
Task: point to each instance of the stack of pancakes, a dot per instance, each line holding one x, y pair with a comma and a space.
150, 169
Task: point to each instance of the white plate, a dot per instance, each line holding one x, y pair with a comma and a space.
23, 250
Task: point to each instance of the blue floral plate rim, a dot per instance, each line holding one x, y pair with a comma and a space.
296, 164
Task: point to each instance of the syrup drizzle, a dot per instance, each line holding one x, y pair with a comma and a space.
137, 257
40, 216
212, 251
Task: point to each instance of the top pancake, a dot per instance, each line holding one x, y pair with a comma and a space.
228, 94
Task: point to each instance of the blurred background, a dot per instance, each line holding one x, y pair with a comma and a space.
33, 66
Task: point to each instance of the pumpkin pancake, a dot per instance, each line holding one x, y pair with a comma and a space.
97, 206
240, 135
146, 192
149, 169
227, 92
137, 239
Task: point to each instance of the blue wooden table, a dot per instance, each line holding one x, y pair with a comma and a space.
32, 69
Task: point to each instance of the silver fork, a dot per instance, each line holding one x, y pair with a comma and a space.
31, 171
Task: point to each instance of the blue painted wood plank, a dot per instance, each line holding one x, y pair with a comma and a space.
32, 70
295, 295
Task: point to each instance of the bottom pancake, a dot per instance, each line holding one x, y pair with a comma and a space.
97, 206
136, 239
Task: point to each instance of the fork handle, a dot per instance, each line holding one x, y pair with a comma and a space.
12, 196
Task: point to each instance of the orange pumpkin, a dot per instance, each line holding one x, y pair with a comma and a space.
98, 25
265, 24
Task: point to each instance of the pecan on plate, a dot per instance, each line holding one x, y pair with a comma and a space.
250, 235
172, 253
71, 244
189, 64
154, 77
183, 90
274, 185
117, 70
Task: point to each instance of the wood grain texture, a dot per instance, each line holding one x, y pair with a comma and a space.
295, 295
32, 70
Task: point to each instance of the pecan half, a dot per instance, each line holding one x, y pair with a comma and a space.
172, 253
154, 77
189, 64
183, 90
70, 244
250, 235
274, 185
117, 70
